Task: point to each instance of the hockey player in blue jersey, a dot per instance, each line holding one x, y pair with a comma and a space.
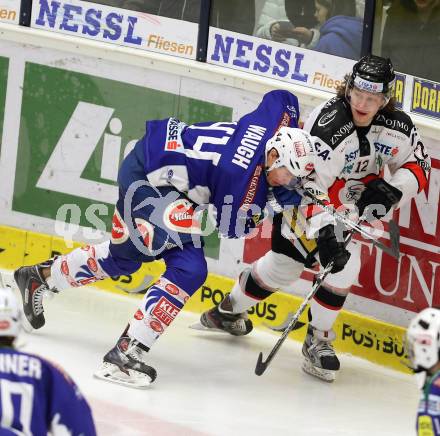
165, 184
36, 398
423, 348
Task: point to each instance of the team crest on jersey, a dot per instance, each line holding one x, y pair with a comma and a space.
119, 229
353, 191
146, 230
174, 139
180, 217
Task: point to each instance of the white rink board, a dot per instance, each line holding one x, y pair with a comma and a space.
188, 78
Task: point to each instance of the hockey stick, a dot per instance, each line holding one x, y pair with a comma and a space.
262, 365
392, 250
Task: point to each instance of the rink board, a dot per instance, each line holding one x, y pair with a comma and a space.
374, 340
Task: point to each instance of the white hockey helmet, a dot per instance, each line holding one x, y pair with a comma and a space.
10, 314
423, 339
295, 151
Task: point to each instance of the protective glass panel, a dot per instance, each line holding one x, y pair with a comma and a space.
295, 41
408, 32
328, 26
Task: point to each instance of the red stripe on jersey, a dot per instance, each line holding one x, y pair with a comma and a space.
418, 173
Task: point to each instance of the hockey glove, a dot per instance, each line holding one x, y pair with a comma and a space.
330, 249
378, 198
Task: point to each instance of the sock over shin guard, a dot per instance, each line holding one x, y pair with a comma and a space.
247, 292
325, 308
160, 306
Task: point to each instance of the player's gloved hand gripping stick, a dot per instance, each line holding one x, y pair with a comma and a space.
392, 250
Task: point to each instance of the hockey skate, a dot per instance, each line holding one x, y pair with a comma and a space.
125, 364
221, 319
33, 288
319, 356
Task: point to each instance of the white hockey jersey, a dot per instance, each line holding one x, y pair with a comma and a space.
349, 157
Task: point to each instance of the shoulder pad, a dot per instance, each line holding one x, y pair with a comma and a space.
396, 120
334, 123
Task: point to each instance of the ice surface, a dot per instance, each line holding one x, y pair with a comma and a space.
206, 383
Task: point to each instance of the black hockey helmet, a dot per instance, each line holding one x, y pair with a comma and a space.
373, 74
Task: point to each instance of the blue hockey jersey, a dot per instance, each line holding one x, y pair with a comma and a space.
428, 415
220, 163
36, 397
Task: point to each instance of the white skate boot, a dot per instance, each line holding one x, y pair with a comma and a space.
319, 356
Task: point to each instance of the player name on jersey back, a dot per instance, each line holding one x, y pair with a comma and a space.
248, 145
20, 365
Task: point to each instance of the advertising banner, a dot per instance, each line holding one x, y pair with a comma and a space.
117, 26
276, 60
79, 138
309, 68
4, 63
426, 98
399, 90
10, 11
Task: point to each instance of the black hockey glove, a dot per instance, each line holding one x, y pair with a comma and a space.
379, 196
330, 249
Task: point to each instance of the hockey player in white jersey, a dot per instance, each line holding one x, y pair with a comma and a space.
362, 125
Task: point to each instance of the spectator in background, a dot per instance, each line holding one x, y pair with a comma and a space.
340, 29
234, 15
412, 37
186, 10
279, 18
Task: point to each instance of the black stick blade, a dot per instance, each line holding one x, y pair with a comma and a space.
261, 366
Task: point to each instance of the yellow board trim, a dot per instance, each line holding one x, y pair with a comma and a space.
374, 340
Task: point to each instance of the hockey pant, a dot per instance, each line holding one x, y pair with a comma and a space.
149, 223
282, 266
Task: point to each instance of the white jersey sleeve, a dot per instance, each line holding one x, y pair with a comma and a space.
410, 167
348, 158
